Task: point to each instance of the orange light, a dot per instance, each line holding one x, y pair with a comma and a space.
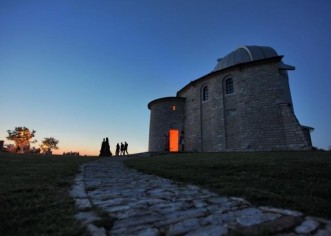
174, 107
173, 140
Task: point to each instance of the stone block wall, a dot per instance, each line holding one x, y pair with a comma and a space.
192, 125
297, 137
163, 118
251, 118
257, 116
260, 114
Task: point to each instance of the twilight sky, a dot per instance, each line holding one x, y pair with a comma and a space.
82, 70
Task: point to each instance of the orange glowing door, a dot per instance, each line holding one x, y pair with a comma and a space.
173, 140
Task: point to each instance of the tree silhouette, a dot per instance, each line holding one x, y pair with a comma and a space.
22, 137
48, 144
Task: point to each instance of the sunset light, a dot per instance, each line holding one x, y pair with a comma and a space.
80, 71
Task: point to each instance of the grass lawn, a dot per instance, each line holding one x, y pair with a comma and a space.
295, 180
34, 195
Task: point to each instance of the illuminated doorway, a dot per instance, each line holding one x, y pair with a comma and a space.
173, 140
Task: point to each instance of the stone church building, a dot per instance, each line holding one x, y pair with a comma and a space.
244, 104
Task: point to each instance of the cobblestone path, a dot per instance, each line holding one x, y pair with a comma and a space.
115, 200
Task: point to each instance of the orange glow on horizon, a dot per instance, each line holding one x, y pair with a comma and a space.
91, 151
87, 149
81, 152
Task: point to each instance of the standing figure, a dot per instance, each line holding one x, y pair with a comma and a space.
126, 148
102, 148
122, 149
117, 149
166, 143
182, 141
107, 149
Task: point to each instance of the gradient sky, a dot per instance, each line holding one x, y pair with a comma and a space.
83, 70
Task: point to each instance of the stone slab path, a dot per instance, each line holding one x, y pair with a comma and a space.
114, 200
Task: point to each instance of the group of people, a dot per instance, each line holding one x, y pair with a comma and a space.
105, 148
122, 149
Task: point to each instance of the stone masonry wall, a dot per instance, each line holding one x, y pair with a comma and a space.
261, 89
162, 119
251, 118
204, 120
192, 126
257, 116
231, 112
296, 137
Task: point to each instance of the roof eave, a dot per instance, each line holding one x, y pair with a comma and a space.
164, 99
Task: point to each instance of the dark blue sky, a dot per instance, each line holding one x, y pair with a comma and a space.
84, 70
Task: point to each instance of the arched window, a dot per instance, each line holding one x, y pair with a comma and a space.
229, 86
205, 94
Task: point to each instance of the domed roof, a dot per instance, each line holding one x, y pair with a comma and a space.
245, 54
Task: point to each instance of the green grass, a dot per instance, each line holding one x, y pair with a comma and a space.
34, 190
295, 180
34, 195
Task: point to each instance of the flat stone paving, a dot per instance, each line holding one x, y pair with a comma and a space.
114, 200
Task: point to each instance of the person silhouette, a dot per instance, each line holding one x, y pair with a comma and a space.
117, 149
122, 149
102, 147
107, 148
126, 148
182, 141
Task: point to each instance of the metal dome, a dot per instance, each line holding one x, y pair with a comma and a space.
245, 54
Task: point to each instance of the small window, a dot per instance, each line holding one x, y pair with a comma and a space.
229, 86
205, 93
174, 107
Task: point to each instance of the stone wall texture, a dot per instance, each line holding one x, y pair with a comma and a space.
166, 113
257, 116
